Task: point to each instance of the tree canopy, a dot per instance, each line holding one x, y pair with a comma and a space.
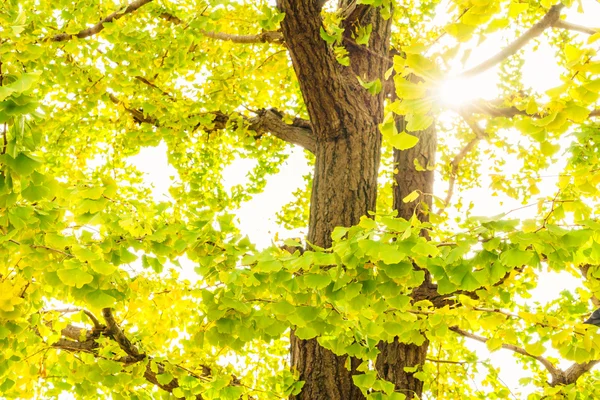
392, 283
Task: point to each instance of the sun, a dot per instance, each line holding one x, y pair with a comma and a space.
458, 91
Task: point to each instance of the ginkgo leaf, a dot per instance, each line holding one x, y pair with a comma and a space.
403, 141
74, 277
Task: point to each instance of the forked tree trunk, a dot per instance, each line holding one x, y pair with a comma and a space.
395, 356
345, 119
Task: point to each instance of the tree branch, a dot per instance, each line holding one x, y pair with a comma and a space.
584, 271
555, 372
488, 108
574, 27
154, 86
479, 134
575, 371
547, 21
76, 339
133, 6
559, 376
113, 331
138, 115
299, 132
68, 310
434, 360
264, 37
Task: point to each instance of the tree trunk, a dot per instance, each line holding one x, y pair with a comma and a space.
395, 356
345, 119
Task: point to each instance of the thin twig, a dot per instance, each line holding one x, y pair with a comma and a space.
70, 310
133, 6
547, 21
152, 85
453, 362
37, 246
547, 364
455, 163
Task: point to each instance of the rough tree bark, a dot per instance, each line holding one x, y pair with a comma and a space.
395, 356
345, 119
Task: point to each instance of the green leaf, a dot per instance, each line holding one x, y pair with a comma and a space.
365, 381
74, 277
517, 8
535, 349
102, 267
398, 270
418, 122
403, 141
5, 91
164, 379
412, 196
373, 87
100, 299
23, 164
317, 281
110, 367
408, 90
25, 82
515, 257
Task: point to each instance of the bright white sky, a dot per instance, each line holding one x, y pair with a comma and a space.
257, 217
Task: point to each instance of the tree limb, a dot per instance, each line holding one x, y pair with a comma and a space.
584, 271
154, 86
299, 132
574, 27
559, 376
555, 372
264, 37
133, 6
113, 331
479, 134
68, 310
575, 371
488, 108
138, 115
547, 21
76, 339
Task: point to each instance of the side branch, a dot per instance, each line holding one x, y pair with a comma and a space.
559, 376
133, 6
555, 372
137, 115
487, 108
264, 37
299, 132
547, 21
574, 27
479, 134
576, 370
75, 339
114, 331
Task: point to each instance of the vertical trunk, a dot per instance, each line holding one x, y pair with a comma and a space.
395, 356
409, 179
344, 189
345, 119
